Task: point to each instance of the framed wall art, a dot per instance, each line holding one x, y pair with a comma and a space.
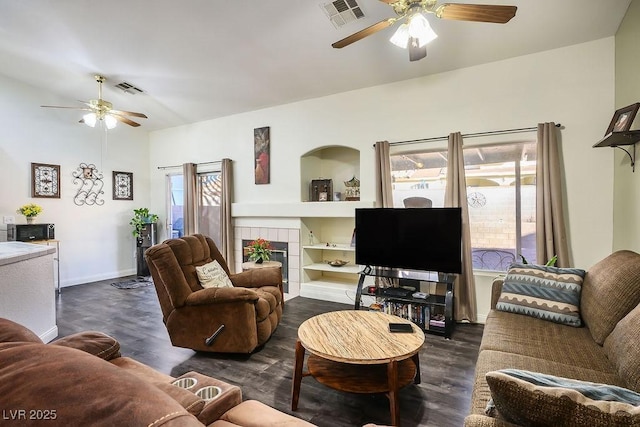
122, 185
622, 119
261, 148
45, 180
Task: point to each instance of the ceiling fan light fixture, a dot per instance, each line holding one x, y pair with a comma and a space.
110, 121
401, 37
420, 29
90, 119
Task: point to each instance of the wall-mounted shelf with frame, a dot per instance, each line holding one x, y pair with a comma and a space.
619, 139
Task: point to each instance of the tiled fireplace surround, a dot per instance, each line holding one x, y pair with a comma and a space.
291, 236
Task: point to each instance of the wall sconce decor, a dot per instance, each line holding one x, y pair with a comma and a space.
122, 185
90, 185
45, 180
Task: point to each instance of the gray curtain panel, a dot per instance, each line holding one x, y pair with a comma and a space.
456, 196
384, 194
551, 235
226, 225
190, 206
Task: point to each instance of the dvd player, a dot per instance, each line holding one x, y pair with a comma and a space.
396, 292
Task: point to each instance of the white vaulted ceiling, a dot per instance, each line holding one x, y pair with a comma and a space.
203, 59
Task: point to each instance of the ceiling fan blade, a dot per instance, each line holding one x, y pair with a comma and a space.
476, 12
70, 108
128, 113
363, 33
125, 120
416, 52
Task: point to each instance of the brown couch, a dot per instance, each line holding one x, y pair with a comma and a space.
250, 310
605, 350
82, 380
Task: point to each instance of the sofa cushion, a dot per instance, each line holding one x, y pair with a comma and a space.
92, 342
81, 389
529, 336
623, 348
489, 360
212, 275
11, 331
611, 290
549, 293
531, 398
252, 413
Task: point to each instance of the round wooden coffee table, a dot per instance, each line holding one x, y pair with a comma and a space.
354, 351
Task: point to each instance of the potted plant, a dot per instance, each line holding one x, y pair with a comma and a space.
259, 251
30, 211
140, 218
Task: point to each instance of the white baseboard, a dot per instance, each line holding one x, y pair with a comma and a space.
50, 335
97, 277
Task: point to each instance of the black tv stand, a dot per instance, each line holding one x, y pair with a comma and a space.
434, 313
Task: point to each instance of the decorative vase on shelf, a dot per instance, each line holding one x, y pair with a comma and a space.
259, 261
30, 219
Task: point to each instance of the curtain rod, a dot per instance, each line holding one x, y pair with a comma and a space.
471, 135
197, 164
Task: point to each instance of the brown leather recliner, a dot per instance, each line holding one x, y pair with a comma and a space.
250, 311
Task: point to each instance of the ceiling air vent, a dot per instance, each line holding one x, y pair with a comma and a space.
129, 88
341, 12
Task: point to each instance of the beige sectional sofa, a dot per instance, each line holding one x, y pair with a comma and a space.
606, 349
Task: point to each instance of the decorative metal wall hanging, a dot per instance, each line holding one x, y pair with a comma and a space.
261, 148
122, 185
45, 180
90, 185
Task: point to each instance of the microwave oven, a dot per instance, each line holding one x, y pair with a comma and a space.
30, 232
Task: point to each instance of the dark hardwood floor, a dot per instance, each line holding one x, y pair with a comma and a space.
133, 317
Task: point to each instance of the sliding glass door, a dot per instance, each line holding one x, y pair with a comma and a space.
209, 190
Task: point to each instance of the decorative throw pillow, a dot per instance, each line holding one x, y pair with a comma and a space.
549, 293
531, 398
212, 275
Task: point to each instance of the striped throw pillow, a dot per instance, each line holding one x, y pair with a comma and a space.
549, 293
531, 398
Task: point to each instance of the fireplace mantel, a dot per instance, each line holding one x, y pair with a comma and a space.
342, 209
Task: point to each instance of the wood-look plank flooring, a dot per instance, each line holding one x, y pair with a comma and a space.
133, 317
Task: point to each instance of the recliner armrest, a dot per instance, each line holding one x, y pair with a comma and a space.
221, 296
96, 343
258, 277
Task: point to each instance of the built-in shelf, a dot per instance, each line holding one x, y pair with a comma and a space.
349, 269
618, 139
330, 247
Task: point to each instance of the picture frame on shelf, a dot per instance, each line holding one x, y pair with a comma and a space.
321, 190
623, 118
45, 180
122, 185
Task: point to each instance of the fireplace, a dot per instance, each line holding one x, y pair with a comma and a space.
286, 243
278, 253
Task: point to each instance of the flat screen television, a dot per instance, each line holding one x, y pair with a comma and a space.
426, 239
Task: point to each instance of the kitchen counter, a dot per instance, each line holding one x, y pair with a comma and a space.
27, 287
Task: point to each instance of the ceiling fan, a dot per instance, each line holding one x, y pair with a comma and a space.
415, 32
99, 109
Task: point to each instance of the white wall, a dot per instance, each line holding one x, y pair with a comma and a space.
95, 241
573, 86
627, 183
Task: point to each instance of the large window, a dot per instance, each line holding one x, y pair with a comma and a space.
501, 195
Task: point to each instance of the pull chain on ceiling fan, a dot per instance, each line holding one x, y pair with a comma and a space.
416, 32
101, 110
